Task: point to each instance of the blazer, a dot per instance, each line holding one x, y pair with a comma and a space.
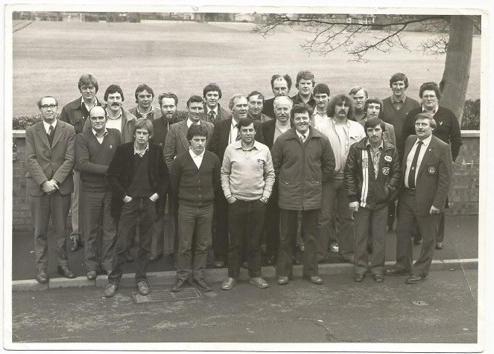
221, 135
162, 125
434, 174
72, 113
176, 140
121, 172
268, 107
44, 162
268, 132
222, 114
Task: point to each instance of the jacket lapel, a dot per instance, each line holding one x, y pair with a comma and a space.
426, 158
183, 135
42, 134
58, 134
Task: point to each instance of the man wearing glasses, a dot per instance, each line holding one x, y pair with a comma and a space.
49, 161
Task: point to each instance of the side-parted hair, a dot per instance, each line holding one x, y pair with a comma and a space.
194, 98
143, 87
305, 75
301, 108
196, 130
278, 100
167, 95
144, 123
429, 117
87, 80
255, 93
354, 90
244, 122
430, 86
285, 77
398, 77
41, 98
113, 89
321, 89
377, 101
233, 99
338, 100
374, 122
211, 87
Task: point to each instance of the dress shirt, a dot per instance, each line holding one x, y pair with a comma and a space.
375, 155
302, 137
197, 158
102, 137
233, 132
87, 107
140, 152
423, 149
47, 126
190, 122
214, 110
322, 123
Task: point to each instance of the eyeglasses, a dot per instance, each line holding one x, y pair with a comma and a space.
48, 105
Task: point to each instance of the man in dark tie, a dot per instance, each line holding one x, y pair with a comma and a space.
426, 173
49, 162
212, 109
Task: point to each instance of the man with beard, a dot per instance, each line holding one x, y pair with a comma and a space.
373, 109
144, 98
359, 95
212, 108
169, 115
280, 85
256, 103
305, 83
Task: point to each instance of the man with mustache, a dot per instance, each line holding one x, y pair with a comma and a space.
426, 178
280, 85
305, 83
342, 132
212, 109
303, 161
256, 104
144, 96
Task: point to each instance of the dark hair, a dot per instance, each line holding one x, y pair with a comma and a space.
87, 80
286, 77
339, 99
374, 100
304, 75
244, 122
398, 77
255, 93
373, 122
167, 95
430, 86
144, 123
353, 91
113, 89
428, 116
143, 87
196, 130
194, 98
300, 108
320, 89
211, 87
39, 101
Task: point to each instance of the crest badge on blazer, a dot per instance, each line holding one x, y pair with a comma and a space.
431, 170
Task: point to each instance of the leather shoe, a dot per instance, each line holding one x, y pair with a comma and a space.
179, 284
42, 277
219, 264
228, 284
143, 287
414, 279
396, 271
203, 285
259, 282
74, 242
358, 277
110, 289
91, 275
379, 278
439, 246
282, 280
66, 272
315, 279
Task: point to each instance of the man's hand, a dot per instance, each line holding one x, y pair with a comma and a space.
263, 199
48, 187
434, 210
231, 200
127, 199
55, 184
154, 197
353, 206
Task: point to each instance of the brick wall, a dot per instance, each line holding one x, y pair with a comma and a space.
463, 199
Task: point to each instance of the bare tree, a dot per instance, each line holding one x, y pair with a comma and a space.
357, 36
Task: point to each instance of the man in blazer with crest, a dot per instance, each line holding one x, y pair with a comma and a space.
49, 162
427, 173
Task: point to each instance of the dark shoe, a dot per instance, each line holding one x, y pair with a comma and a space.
179, 284
128, 257
417, 240
42, 277
91, 275
379, 278
358, 277
259, 282
75, 242
65, 271
396, 271
219, 264
369, 249
439, 246
203, 285
143, 287
315, 279
414, 279
282, 280
228, 284
245, 265
110, 289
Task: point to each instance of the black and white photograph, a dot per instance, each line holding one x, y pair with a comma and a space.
234, 177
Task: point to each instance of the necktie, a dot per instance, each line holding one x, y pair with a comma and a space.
51, 132
238, 133
302, 138
211, 116
411, 173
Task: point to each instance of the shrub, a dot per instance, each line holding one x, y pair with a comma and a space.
471, 115
22, 122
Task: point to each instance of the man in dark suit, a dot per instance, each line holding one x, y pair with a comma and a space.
139, 181
213, 112
225, 133
427, 172
49, 162
76, 113
280, 85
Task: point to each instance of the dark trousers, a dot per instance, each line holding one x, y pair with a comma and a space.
271, 234
139, 212
326, 220
370, 224
56, 207
342, 224
288, 236
192, 254
245, 220
220, 235
96, 216
427, 225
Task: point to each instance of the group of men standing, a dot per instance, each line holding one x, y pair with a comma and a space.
310, 172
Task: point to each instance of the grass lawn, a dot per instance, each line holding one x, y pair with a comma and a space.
49, 57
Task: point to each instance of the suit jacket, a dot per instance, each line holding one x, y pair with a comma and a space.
268, 132
222, 114
268, 108
121, 173
73, 114
221, 135
44, 162
176, 140
434, 174
161, 126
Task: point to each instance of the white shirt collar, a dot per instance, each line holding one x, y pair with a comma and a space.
47, 126
300, 134
190, 122
95, 134
215, 110
425, 142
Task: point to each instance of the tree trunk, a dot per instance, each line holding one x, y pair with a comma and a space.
457, 67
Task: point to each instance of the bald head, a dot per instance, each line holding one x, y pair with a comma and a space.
97, 117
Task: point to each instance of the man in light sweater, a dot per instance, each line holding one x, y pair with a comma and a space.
247, 178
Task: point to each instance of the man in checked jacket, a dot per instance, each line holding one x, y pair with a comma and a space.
372, 175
